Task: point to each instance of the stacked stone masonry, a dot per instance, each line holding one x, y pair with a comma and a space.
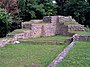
75, 28
81, 38
54, 26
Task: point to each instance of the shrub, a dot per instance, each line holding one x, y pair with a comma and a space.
36, 9
5, 22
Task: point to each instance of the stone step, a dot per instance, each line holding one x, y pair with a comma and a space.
43, 41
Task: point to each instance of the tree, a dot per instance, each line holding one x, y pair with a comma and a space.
29, 9
5, 22
77, 9
50, 9
36, 9
60, 3
11, 6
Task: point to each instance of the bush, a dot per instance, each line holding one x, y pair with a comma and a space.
5, 22
36, 9
78, 9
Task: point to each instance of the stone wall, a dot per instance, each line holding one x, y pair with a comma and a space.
40, 30
3, 42
76, 28
58, 23
66, 19
81, 38
55, 26
36, 30
62, 29
26, 26
47, 19
84, 38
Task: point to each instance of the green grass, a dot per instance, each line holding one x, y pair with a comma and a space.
34, 23
79, 56
71, 23
19, 55
18, 31
14, 32
3, 38
82, 32
58, 38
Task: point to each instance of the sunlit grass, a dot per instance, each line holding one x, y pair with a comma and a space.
81, 32
19, 55
34, 22
18, 31
79, 56
57, 38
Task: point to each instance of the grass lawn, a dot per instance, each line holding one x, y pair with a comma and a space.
34, 22
3, 38
81, 32
19, 55
18, 31
58, 38
86, 32
79, 56
70, 23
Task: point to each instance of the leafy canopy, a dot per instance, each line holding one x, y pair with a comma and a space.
36, 9
5, 22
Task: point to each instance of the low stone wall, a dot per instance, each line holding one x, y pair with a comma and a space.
3, 42
84, 38
81, 37
61, 56
53, 27
66, 19
40, 30
76, 28
47, 19
53, 42
26, 26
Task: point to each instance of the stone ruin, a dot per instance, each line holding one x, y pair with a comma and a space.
53, 25
51, 28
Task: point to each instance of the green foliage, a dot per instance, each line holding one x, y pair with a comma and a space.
5, 22
36, 9
29, 9
77, 9
50, 8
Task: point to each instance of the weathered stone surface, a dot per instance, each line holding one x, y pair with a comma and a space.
55, 26
65, 19
3, 42
81, 38
26, 26
47, 19
76, 27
